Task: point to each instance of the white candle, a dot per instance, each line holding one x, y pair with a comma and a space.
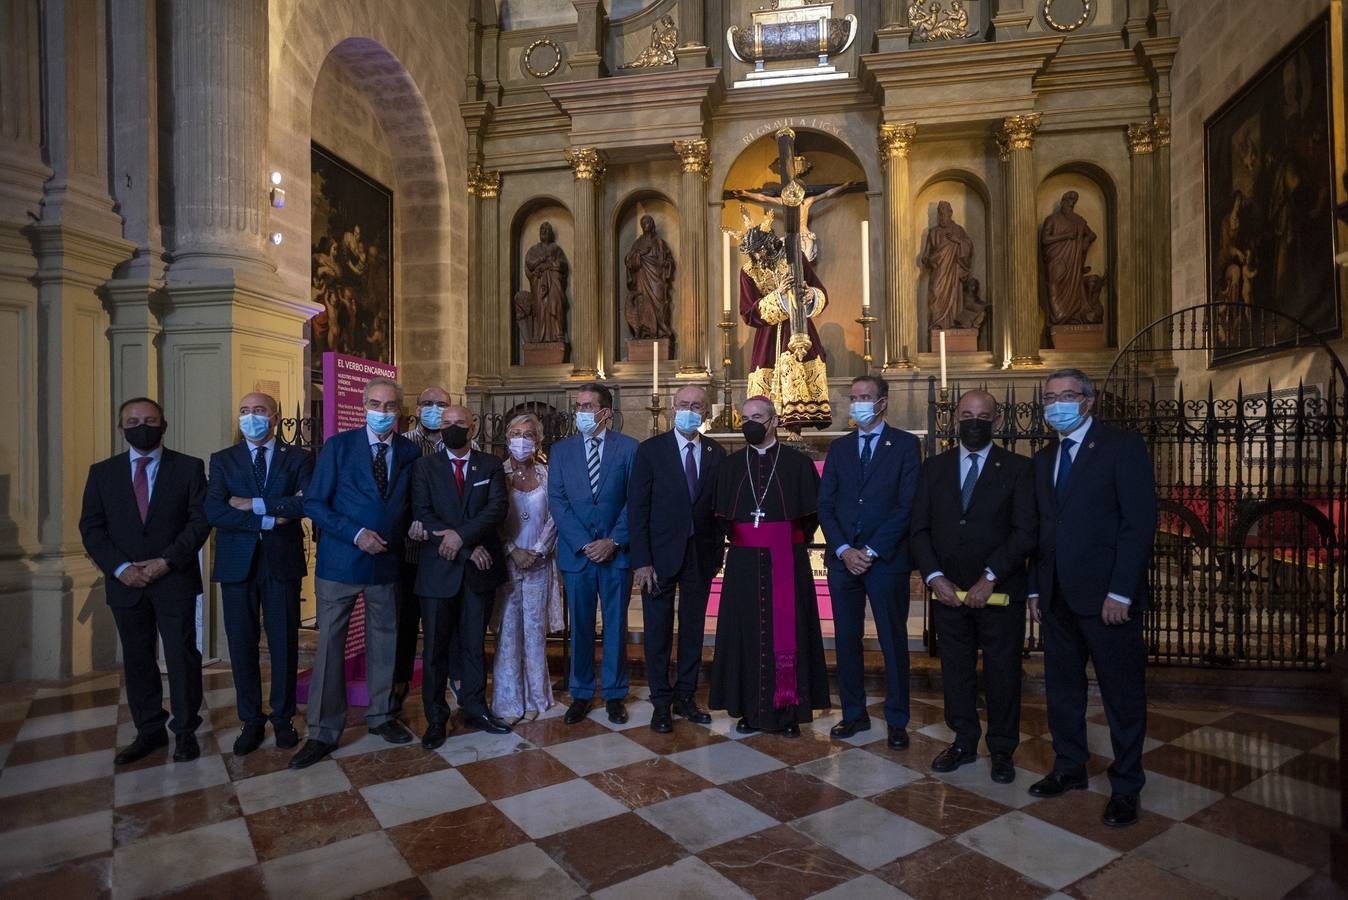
865, 264
655, 367
725, 268
942, 360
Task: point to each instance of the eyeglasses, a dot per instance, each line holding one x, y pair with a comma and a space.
1064, 397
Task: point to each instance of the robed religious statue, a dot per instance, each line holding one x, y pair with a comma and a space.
650, 275
541, 310
947, 255
1064, 240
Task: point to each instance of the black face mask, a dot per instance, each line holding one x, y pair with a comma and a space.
975, 434
144, 437
754, 432
455, 436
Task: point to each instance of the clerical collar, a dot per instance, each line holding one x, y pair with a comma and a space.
762, 451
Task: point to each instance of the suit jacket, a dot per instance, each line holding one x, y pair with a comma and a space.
872, 511
997, 532
1099, 540
175, 525
581, 516
476, 515
238, 533
343, 498
659, 510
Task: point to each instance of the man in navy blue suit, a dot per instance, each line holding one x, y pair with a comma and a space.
255, 500
587, 496
359, 500
676, 543
1096, 493
865, 498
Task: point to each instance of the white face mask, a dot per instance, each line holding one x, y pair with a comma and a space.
521, 448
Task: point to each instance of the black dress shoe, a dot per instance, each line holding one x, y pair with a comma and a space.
577, 711
661, 722
688, 709
286, 735
1121, 810
848, 727
435, 735
898, 738
1054, 784
1003, 770
393, 731
141, 747
186, 748
743, 727
791, 731
250, 738
310, 753
952, 757
617, 712
487, 722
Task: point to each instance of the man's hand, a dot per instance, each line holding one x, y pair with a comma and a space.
133, 576
154, 569
1113, 612
1034, 609
857, 561
371, 543
945, 589
481, 558
450, 543
417, 532
523, 557
243, 503
600, 551
644, 576
977, 596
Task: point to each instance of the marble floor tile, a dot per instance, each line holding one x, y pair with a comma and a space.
1133, 877
723, 762
781, 863
1222, 864
724, 726
546, 732
161, 864
454, 837
408, 799
1328, 724
860, 773
949, 869
1199, 715
521, 871
867, 887
1295, 797
1037, 755
638, 715
559, 807
977, 778
1167, 796
787, 794
221, 698
877, 732
88, 878
1276, 731
1216, 773
811, 745
1248, 749
1267, 829
171, 815
1329, 749
474, 746
66, 703
81, 685
232, 885
302, 826
357, 741
685, 736
1099, 742
290, 786
262, 761
63, 802
705, 819
1313, 768
71, 743
1038, 850
866, 834
939, 806
1080, 812
390, 765
688, 879
611, 850
24, 779
595, 754
343, 869
644, 783
26, 850
514, 773
14, 710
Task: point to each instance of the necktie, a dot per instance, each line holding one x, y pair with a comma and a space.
690, 470
866, 452
140, 483
592, 461
458, 472
260, 469
381, 468
967, 490
1064, 468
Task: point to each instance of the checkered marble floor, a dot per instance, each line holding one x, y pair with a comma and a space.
1238, 803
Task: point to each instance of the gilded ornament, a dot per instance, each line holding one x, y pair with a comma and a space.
1017, 132
536, 67
486, 185
896, 139
931, 21
1141, 139
694, 156
586, 163
793, 194
664, 38
1058, 25
1160, 123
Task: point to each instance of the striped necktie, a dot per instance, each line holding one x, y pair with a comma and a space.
592, 462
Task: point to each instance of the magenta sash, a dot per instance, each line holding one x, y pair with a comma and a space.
777, 538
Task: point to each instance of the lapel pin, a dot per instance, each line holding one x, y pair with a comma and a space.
996, 465
1091, 445
888, 444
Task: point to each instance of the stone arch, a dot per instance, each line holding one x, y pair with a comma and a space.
1099, 204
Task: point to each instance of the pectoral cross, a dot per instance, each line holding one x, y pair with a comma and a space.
757, 515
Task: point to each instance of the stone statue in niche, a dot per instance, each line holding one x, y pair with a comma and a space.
952, 293
541, 310
664, 38
650, 277
1064, 240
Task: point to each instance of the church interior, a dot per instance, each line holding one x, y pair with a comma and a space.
510, 199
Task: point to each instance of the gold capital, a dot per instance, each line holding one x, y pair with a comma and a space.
586, 163
896, 139
695, 155
1017, 133
484, 184
1141, 139
1161, 124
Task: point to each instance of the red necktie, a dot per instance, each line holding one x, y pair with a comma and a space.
140, 483
458, 473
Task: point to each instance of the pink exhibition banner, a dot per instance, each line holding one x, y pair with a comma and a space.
344, 380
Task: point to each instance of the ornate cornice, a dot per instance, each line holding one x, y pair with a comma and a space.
586, 163
1017, 133
1141, 139
896, 139
694, 156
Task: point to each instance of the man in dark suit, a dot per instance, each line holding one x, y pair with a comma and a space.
142, 523
359, 499
459, 497
973, 527
255, 500
675, 543
865, 498
587, 496
1096, 493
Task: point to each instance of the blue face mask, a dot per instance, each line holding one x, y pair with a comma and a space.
380, 422
253, 426
687, 421
432, 417
585, 423
863, 412
1064, 416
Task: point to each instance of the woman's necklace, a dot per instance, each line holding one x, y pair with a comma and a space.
758, 514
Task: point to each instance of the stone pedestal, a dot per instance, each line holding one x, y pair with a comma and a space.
644, 350
548, 353
1078, 337
957, 340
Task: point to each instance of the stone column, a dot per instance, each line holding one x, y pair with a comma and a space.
1013, 20
1161, 289
478, 348
690, 327
496, 346
1142, 311
588, 167
1016, 142
900, 319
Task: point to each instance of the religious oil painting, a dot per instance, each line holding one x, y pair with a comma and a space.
352, 269
1270, 204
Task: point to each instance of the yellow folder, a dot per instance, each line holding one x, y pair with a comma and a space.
994, 599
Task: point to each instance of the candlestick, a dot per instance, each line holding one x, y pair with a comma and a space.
655, 367
865, 267
725, 270
943, 384
728, 419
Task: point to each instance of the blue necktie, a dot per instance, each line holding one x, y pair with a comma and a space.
866, 452
1064, 468
967, 490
